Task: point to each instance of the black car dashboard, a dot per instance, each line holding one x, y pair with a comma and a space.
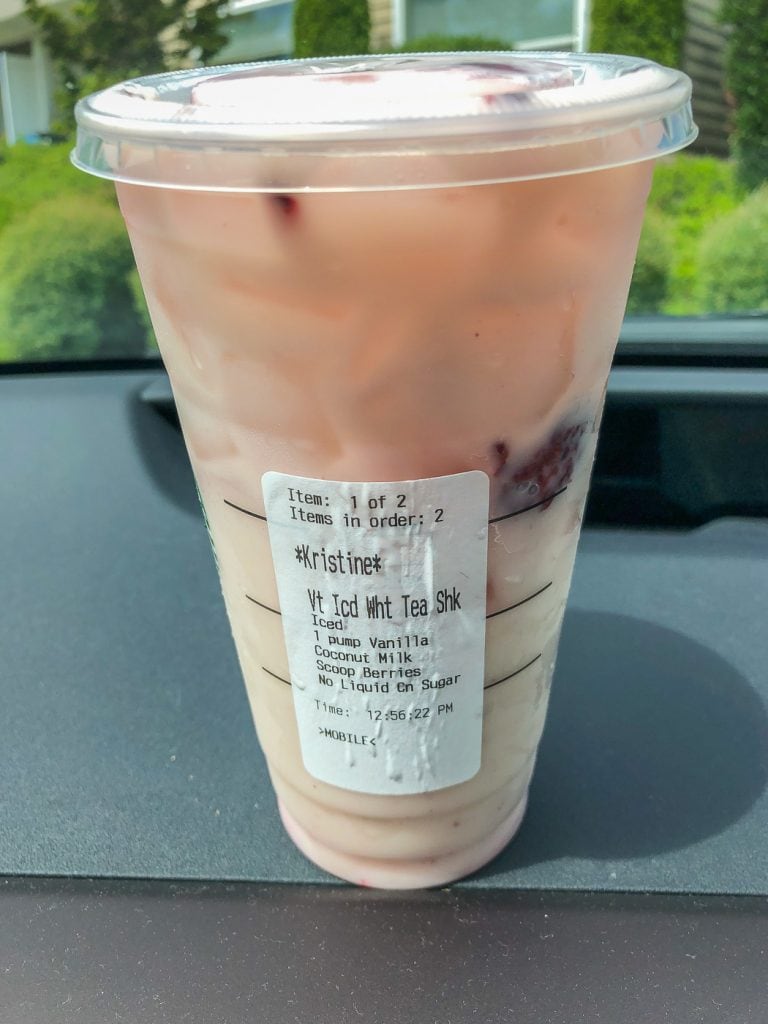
145, 874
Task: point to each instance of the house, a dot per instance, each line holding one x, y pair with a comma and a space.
704, 60
27, 80
261, 29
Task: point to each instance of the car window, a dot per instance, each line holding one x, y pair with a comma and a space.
69, 290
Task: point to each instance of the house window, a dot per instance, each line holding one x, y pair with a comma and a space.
547, 24
257, 30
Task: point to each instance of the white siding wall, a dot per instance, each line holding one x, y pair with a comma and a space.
381, 24
703, 60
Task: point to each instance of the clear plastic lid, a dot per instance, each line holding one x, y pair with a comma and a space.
389, 121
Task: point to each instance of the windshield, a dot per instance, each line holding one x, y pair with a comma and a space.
69, 289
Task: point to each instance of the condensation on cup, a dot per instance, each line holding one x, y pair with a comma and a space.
387, 291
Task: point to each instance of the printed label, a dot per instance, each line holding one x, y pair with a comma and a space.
382, 593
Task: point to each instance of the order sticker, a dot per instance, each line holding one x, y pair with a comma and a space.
382, 591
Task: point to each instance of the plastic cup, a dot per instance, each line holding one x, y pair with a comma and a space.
387, 292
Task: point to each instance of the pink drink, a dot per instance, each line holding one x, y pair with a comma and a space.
422, 318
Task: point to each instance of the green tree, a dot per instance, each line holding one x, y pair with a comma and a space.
97, 42
330, 28
747, 76
639, 28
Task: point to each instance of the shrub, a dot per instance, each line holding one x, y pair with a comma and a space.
30, 174
747, 76
435, 43
694, 186
691, 192
733, 259
330, 28
64, 292
639, 28
654, 257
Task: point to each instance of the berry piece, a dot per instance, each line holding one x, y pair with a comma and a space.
542, 476
499, 456
288, 206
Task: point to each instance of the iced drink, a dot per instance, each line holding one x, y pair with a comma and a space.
387, 292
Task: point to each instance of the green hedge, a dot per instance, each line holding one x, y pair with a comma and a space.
640, 28
747, 76
435, 43
733, 259
69, 289
64, 291
690, 196
691, 192
30, 174
329, 28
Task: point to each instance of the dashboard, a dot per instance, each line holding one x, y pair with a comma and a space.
145, 874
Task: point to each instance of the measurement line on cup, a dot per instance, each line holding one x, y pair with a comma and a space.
528, 508
512, 675
265, 606
256, 515
524, 601
275, 676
